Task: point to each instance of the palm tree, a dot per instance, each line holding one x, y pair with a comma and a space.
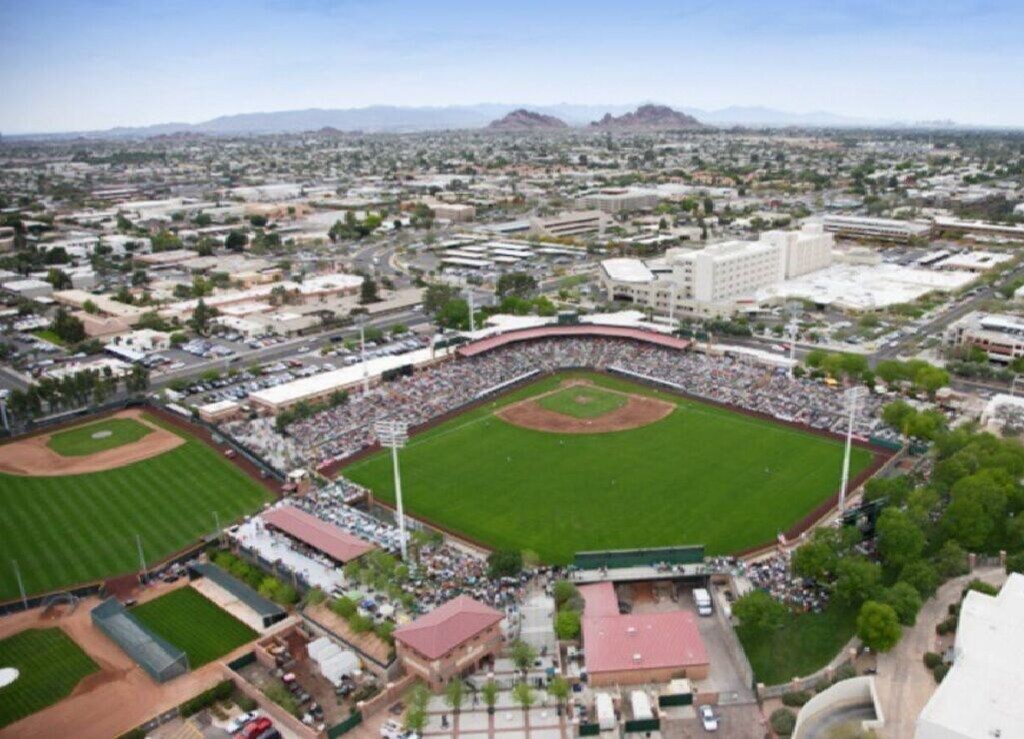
524, 695
490, 691
559, 689
523, 656
454, 695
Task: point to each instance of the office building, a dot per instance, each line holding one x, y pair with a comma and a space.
619, 200
878, 229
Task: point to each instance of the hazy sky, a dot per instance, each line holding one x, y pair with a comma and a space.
84, 64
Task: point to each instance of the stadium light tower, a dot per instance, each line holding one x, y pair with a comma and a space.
362, 358
852, 395
472, 319
393, 434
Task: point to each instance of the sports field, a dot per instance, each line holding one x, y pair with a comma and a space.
582, 402
700, 475
76, 528
97, 437
50, 666
192, 622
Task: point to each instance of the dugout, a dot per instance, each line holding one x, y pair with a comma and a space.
161, 660
266, 611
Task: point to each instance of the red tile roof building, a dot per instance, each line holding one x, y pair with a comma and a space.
452, 640
629, 649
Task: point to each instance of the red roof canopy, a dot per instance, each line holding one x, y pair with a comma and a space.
446, 627
617, 642
322, 536
580, 329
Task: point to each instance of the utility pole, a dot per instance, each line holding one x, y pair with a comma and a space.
21, 585
393, 434
792, 350
851, 398
472, 319
142, 558
362, 358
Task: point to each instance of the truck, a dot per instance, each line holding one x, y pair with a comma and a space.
703, 600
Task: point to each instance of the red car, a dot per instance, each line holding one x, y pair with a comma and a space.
257, 727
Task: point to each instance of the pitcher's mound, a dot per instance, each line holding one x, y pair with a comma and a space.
637, 411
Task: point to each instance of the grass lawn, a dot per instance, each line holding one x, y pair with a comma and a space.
51, 665
49, 335
701, 475
582, 402
192, 622
78, 442
805, 643
77, 528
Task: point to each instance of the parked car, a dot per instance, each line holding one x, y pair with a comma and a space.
708, 718
238, 722
256, 728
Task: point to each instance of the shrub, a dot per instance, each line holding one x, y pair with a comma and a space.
278, 693
244, 702
567, 625
783, 721
948, 626
220, 691
939, 672
504, 563
844, 673
931, 660
795, 698
344, 607
564, 591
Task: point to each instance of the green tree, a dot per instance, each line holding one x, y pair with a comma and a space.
236, 241
559, 689
878, 626
368, 291
857, 580
60, 279
815, 559
490, 694
201, 317
524, 695
564, 591
759, 613
523, 655
921, 576
900, 541
455, 694
517, 284
504, 563
905, 600
567, 624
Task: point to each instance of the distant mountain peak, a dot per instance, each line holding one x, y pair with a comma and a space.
649, 116
522, 119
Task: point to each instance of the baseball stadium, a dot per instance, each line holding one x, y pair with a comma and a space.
597, 444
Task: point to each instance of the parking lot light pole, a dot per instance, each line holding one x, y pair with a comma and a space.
851, 398
393, 434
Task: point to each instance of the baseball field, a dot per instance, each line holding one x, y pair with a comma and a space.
541, 470
73, 503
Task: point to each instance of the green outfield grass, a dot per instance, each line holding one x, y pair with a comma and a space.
582, 402
79, 441
50, 666
78, 528
195, 624
702, 475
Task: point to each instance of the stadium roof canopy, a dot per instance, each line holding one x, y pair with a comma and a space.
325, 537
161, 659
582, 330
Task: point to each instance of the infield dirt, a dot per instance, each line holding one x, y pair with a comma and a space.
32, 457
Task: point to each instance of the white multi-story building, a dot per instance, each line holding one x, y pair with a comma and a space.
576, 223
714, 280
619, 200
1000, 335
805, 251
881, 229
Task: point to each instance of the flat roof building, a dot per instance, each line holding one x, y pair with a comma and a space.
882, 229
980, 696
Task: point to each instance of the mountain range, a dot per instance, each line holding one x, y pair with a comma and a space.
399, 119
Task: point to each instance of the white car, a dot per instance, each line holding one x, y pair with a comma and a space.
239, 722
708, 718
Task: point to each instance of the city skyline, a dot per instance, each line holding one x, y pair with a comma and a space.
90, 65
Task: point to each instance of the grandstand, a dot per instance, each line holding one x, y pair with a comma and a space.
161, 661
